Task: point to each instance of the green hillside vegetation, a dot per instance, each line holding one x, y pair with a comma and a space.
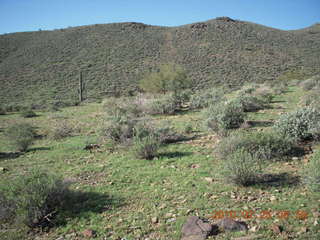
117, 170
44, 66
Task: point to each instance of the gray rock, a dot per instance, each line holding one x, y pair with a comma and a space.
228, 224
196, 229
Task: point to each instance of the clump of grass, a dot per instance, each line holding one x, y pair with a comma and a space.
241, 168
31, 199
20, 136
311, 175
265, 145
146, 147
298, 125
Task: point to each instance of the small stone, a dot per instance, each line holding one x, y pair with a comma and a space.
2, 169
154, 220
195, 166
276, 228
295, 158
253, 229
273, 198
171, 220
168, 215
88, 233
196, 229
209, 179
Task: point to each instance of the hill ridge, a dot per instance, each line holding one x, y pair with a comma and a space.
44, 65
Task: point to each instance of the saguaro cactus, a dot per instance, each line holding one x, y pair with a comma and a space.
81, 87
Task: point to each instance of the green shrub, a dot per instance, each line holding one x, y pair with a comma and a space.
61, 129
311, 175
298, 125
224, 116
31, 199
167, 104
264, 145
241, 168
118, 129
206, 98
28, 113
249, 103
20, 136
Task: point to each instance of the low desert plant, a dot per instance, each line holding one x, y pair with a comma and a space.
241, 168
224, 116
311, 175
61, 129
203, 99
20, 136
122, 106
167, 104
249, 103
32, 199
146, 147
118, 128
264, 145
298, 125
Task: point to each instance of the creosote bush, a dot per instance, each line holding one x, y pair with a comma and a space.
299, 125
20, 136
311, 175
264, 145
241, 168
31, 199
224, 116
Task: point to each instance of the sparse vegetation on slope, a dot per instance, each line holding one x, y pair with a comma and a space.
42, 67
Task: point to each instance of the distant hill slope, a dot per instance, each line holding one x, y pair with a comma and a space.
37, 66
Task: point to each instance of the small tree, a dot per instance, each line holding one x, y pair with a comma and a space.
170, 77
